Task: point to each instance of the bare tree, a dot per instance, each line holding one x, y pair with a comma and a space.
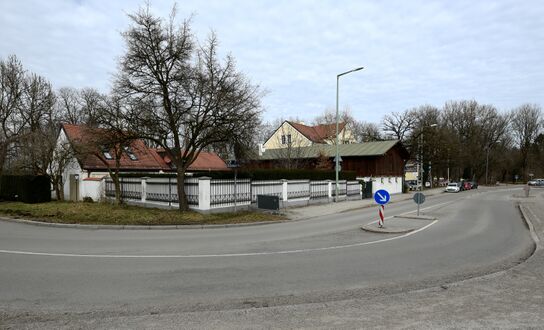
400, 124
367, 132
526, 125
62, 155
12, 78
69, 106
194, 99
345, 118
91, 102
37, 112
114, 136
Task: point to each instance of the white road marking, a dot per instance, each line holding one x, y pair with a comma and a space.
266, 253
215, 255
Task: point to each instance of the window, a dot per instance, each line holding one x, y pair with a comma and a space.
289, 138
106, 153
283, 139
130, 154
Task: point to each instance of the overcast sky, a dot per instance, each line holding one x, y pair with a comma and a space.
414, 52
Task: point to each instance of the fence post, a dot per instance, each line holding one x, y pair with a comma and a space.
330, 189
144, 189
204, 191
284, 190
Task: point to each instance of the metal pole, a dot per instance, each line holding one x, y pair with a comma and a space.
337, 160
421, 160
486, 165
235, 194
430, 173
337, 156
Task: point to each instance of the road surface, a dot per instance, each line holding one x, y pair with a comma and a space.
52, 271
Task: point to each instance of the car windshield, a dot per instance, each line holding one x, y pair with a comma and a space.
452, 185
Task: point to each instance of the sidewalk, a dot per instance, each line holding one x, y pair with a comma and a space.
311, 211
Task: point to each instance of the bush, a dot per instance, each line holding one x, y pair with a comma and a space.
259, 174
26, 188
278, 174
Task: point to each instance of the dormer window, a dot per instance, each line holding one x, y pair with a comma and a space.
130, 154
106, 153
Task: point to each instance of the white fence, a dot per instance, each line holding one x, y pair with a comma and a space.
209, 194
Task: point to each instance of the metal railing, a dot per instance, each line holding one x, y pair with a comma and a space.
269, 187
342, 188
222, 191
298, 189
353, 188
319, 189
225, 192
131, 188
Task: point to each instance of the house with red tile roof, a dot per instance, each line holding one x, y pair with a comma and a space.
293, 134
91, 161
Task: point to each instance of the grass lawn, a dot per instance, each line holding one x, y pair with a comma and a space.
109, 214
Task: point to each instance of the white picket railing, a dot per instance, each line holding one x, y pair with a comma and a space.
206, 193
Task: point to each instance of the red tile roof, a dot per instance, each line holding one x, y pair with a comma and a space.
319, 133
147, 158
206, 161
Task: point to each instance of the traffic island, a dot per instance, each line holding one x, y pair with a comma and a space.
399, 225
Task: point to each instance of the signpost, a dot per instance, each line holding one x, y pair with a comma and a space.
381, 197
419, 198
234, 164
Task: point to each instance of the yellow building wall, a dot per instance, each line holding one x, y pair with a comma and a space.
297, 139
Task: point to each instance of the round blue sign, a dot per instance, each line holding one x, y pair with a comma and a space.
382, 197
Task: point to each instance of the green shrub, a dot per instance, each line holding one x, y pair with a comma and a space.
259, 174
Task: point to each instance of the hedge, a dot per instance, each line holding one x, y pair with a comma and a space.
260, 174
26, 188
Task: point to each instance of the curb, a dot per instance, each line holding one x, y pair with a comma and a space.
384, 230
529, 224
135, 227
414, 217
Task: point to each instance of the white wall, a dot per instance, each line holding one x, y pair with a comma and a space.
393, 185
72, 168
92, 188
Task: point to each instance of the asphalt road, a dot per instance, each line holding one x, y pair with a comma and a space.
50, 271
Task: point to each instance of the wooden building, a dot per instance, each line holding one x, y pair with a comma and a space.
370, 159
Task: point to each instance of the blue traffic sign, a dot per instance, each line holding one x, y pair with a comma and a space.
382, 197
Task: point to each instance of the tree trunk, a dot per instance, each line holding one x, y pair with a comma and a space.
117, 185
182, 197
56, 181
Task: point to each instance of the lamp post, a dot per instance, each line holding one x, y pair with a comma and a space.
486, 163
336, 167
422, 167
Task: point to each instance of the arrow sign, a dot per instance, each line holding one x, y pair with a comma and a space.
382, 197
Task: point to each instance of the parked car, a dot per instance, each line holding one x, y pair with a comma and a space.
412, 185
474, 185
453, 187
467, 185
536, 182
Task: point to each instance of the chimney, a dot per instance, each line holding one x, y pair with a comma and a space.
261, 149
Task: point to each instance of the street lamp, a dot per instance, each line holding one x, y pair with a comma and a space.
337, 158
421, 158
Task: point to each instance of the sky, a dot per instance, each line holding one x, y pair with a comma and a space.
414, 52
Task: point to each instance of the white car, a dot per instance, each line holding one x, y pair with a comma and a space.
453, 187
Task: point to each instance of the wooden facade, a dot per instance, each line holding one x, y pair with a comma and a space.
389, 164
